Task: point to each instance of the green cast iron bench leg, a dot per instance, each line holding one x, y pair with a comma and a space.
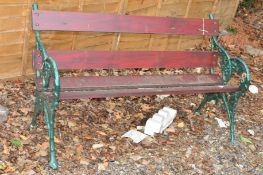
228, 104
49, 112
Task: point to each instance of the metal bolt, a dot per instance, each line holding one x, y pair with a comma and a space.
36, 24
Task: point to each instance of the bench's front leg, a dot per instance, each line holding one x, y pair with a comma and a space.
49, 112
230, 104
49, 99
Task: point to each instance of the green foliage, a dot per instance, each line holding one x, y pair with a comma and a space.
231, 30
261, 167
247, 4
16, 142
245, 140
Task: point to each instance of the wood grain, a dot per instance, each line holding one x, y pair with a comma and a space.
130, 59
98, 22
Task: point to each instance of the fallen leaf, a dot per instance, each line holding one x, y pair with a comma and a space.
180, 125
84, 162
252, 147
56, 140
170, 143
103, 166
97, 146
170, 129
6, 149
72, 124
42, 153
135, 157
245, 140
112, 147
44, 146
146, 107
88, 137
101, 133
29, 172
25, 110
23, 137
9, 168
79, 150
3, 166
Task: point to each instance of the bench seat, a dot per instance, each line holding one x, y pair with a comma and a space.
144, 91
115, 86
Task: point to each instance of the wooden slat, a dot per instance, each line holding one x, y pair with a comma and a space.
130, 59
145, 92
153, 81
96, 22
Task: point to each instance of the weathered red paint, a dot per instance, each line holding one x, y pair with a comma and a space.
120, 82
130, 59
145, 91
98, 22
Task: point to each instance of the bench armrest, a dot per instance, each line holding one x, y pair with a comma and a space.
50, 73
240, 67
224, 60
231, 65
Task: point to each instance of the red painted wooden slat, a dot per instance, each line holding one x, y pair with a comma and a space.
130, 59
95, 22
145, 91
153, 81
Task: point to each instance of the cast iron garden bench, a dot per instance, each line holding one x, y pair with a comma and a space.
51, 88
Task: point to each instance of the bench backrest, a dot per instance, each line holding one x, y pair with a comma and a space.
94, 22
129, 59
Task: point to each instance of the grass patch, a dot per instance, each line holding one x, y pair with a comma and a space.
232, 30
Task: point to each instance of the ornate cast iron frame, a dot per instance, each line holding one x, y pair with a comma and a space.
229, 66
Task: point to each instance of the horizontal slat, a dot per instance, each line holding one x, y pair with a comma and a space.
145, 91
129, 59
120, 82
95, 22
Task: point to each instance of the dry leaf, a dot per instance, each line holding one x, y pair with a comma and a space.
25, 110
42, 153
84, 162
79, 150
180, 125
43, 146
101, 133
97, 146
103, 166
88, 137
71, 124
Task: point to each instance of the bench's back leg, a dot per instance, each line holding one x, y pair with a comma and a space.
38, 108
207, 98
